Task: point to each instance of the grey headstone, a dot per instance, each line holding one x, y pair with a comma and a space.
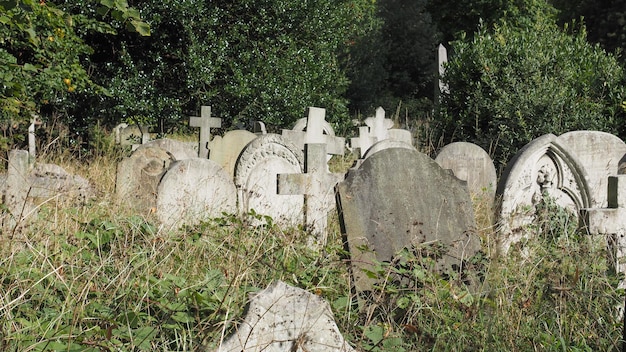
255, 177
178, 149
195, 190
401, 198
17, 188
283, 318
471, 163
138, 178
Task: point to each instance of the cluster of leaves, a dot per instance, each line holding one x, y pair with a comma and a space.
524, 78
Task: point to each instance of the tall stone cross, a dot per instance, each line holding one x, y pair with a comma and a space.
611, 221
205, 122
317, 185
32, 145
364, 141
315, 125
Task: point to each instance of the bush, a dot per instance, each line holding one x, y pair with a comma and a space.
512, 83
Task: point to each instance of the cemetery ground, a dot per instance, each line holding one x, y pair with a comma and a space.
103, 278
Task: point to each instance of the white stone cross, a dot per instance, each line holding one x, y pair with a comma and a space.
611, 221
317, 186
32, 145
379, 125
315, 124
205, 122
364, 141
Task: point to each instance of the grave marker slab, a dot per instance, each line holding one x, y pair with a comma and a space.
283, 318
547, 166
138, 178
194, 190
317, 185
471, 163
178, 149
256, 171
17, 187
225, 150
400, 198
205, 122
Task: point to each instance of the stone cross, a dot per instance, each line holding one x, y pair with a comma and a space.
611, 221
379, 125
205, 122
317, 186
442, 59
364, 141
315, 124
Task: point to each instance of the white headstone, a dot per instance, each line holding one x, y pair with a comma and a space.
255, 177
195, 190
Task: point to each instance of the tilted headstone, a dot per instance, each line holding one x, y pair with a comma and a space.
611, 222
471, 163
256, 171
543, 167
225, 150
317, 185
599, 153
283, 318
195, 190
400, 198
205, 122
131, 135
138, 178
318, 131
178, 149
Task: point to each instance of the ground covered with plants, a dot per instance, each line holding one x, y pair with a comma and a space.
99, 278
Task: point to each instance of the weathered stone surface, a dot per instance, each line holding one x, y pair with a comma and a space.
471, 163
387, 144
283, 318
17, 187
225, 150
599, 153
193, 190
138, 178
129, 135
542, 167
317, 185
50, 180
205, 122
256, 179
401, 198
179, 150
315, 129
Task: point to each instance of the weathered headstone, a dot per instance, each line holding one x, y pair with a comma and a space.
205, 122
318, 131
178, 149
471, 163
283, 318
400, 198
599, 153
17, 187
611, 222
225, 150
543, 167
194, 190
317, 185
256, 171
138, 178
131, 135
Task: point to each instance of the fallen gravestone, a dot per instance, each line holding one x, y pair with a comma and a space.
471, 163
283, 318
400, 198
138, 177
194, 190
225, 150
256, 171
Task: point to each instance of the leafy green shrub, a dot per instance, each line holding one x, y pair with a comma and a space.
524, 78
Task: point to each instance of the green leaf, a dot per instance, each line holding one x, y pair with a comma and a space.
141, 27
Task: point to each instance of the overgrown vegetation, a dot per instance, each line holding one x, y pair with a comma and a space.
98, 278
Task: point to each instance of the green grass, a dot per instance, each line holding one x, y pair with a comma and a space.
99, 278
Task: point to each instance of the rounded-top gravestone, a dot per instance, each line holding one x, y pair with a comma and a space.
194, 190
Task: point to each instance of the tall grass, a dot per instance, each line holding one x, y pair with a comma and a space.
99, 278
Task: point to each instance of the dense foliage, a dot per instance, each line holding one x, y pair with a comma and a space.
513, 82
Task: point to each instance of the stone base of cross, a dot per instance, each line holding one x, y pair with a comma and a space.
317, 185
611, 222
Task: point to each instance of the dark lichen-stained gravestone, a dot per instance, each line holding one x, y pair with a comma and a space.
283, 318
400, 198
